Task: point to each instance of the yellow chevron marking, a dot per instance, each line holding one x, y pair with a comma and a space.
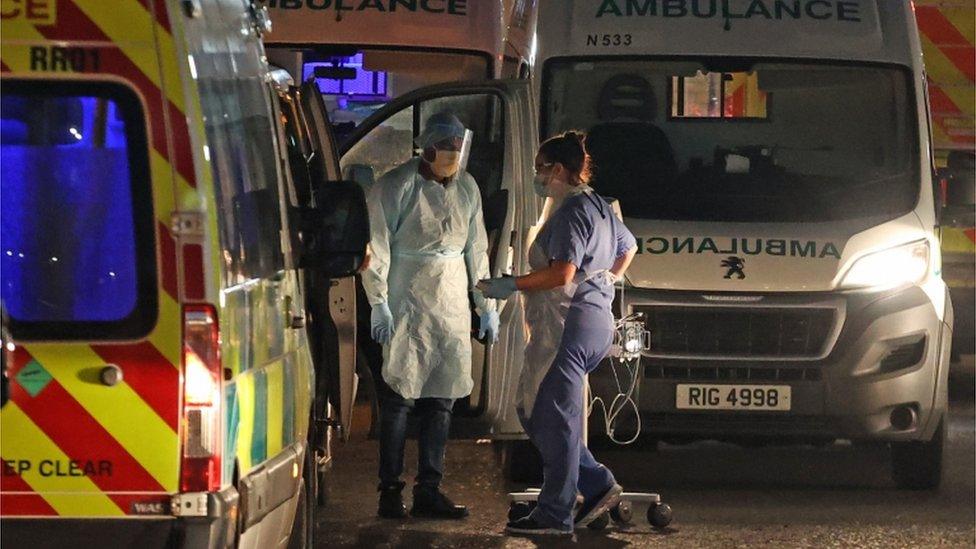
126, 417
17, 56
166, 337
131, 28
276, 401
245, 427
946, 76
24, 440
955, 240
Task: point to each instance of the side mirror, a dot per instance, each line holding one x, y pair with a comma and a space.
336, 231
959, 178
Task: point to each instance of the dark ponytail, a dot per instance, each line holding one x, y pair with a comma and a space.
569, 149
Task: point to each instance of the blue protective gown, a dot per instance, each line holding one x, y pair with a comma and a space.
570, 332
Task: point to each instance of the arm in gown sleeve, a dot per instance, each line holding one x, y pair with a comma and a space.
384, 213
476, 249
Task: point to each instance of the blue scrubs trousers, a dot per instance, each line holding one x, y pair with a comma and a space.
556, 424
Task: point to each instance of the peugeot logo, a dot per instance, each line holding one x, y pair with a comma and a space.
735, 266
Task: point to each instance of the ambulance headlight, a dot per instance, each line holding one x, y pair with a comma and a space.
908, 264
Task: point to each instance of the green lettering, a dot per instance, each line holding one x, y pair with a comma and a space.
697, 10
674, 8
821, 15
849, 11
803, 250
758, 8
634, 7
776, 247
410, 5
662, 241
707, 244
829, 249
609, 6
457, 7
371, 4
754, 251
734, 250
782, 6
680, 246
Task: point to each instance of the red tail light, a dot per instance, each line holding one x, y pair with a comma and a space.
201, 444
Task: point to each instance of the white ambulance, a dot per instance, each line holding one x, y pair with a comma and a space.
774, 160
363, 53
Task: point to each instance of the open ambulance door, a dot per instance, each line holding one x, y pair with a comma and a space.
331, 302
501, 117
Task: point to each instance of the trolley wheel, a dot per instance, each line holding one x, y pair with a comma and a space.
659, 515
520, 509
622, 513
600, 523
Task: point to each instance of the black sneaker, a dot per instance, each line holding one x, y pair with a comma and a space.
591, 509
391, 501
528, 526
432, 503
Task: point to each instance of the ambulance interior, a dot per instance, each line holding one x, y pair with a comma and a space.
735, 140
392, 142
356, 82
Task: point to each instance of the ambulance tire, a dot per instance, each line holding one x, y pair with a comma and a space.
917, 465
303, 527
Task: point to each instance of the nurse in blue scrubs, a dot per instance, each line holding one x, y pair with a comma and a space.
581, 250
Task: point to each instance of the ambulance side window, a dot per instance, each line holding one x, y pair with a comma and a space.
240, 135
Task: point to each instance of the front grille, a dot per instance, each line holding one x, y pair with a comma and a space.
731, 373
731, 332
732, 424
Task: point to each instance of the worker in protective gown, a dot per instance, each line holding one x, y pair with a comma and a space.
429, 250
578, 254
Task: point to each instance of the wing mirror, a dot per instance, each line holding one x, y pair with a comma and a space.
958, 180
336, 231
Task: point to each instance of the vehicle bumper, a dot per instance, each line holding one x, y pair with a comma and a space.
214, 529
844, 395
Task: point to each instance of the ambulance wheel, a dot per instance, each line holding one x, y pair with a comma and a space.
917, 465
622, 513
520, 509
659, 515
600, 523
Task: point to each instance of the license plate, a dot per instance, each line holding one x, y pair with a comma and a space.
733, 397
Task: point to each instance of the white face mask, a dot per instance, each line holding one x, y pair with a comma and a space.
541, 184
445, 163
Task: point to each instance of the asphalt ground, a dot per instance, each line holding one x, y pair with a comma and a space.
723, 496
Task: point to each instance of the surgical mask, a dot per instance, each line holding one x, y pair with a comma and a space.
445, 163
541, 184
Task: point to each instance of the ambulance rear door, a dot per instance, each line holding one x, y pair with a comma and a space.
501, 118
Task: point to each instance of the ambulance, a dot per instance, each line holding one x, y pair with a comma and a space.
158, 226
365, 52
948, 32
774, 159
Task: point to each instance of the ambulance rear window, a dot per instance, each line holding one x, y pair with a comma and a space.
76, 223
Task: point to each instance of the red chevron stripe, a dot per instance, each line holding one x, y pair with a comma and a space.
149, 374
934, 24
82, 438
158, 10
25, 503
167, 249
113, 60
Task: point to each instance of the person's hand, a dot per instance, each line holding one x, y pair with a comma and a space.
498, 288
489, 326
381, 324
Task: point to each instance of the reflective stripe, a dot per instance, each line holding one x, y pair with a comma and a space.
32, 444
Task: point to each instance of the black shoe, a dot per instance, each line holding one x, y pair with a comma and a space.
592, 508
391, 501
528, 526
431, 503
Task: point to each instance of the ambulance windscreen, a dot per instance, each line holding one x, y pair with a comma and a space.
77, 253
751, 142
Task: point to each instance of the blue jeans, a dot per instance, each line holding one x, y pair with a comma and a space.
434, 415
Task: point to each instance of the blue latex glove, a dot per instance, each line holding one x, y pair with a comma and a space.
489, 326
381, 324
498, 288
